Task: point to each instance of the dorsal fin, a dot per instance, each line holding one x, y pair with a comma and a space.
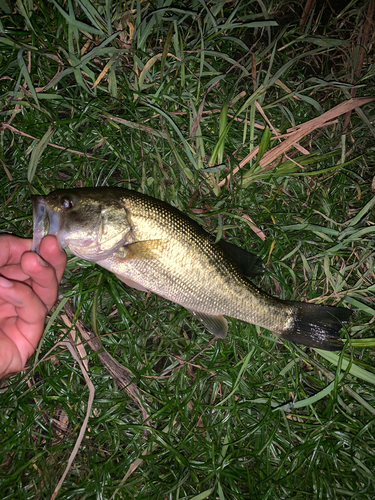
250, 264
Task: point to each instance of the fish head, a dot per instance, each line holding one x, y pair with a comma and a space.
91, 223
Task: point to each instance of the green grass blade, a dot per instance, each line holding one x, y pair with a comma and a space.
26, 75
354, 370
37, 153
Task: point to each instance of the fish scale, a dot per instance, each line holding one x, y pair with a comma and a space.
154, 247
227, 291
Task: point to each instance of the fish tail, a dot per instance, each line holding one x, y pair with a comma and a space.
316, 326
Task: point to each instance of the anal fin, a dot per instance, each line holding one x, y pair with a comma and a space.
217, 325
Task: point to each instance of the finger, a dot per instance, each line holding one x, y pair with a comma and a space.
14, 272
43, 277
24, 322
52, 252
12, 248
45, 270
10, 359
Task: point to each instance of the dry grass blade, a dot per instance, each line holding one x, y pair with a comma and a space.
136, 126
84, 425
253, 227
119, 373
291, 139
9, 175
306, 128
19, 132
363, 43
74, 339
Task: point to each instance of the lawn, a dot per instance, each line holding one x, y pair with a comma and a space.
256, 120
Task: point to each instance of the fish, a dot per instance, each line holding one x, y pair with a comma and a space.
154, 247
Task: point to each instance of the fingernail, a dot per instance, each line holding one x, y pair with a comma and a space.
41, 261
5, 283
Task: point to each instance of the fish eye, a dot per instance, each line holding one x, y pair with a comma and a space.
67, 203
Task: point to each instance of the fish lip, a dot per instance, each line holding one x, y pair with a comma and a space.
40, 221
45, 221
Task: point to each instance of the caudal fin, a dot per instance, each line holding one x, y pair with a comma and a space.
316, 326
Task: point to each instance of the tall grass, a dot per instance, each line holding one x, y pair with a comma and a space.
193, 103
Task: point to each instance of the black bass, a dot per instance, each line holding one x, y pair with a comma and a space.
152, 246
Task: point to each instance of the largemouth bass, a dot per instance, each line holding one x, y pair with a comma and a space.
152, 246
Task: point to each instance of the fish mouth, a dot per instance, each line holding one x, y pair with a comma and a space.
89, 244
45, 221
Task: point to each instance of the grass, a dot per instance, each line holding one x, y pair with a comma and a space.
171, 99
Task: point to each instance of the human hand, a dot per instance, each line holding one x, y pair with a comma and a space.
28, 290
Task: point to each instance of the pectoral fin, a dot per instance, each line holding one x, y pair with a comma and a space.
217, 325
142, 250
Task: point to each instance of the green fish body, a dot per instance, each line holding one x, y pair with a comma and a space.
152, 246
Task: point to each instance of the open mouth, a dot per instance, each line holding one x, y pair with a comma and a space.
45, 221
40, 222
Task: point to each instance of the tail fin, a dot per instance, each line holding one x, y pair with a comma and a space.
316, 326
